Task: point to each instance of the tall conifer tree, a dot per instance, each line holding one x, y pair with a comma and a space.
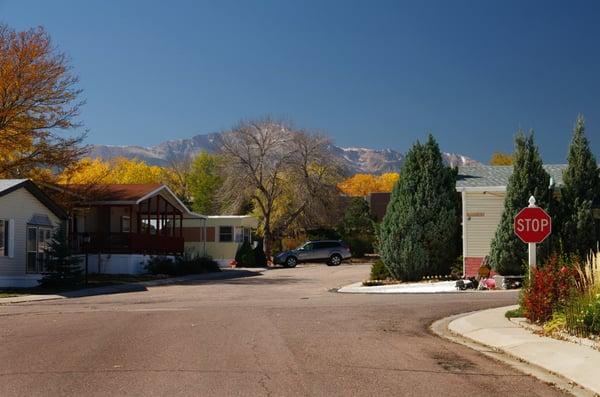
418, 235
508, 253
581, 189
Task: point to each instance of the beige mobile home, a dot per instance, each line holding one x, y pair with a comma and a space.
483, 189
27, 220
218, 236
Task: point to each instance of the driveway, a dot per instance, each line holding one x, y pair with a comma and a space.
282, 333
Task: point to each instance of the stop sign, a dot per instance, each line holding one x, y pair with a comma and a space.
532, 225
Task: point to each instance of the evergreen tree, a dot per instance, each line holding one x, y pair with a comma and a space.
358, 227
581, 188
260, 259
63, 270
418, 236
508, 253
357, 218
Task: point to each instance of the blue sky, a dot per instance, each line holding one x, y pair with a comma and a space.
373, 74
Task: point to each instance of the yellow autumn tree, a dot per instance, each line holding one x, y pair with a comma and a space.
364, 184
118, 170
387, 181
499, 158
39, 106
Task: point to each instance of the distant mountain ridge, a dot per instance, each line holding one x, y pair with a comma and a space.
355, 160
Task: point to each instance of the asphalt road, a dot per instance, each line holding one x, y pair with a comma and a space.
282, 333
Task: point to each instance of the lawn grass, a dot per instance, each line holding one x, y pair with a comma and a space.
515, 313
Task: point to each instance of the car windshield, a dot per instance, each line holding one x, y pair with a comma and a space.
305, 246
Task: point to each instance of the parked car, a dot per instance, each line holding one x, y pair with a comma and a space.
333, 252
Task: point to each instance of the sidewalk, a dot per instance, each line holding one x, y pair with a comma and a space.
577, 363
225, 274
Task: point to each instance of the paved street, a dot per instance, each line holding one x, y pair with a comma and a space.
282, 333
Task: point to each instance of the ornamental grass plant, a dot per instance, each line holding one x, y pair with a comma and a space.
582, 314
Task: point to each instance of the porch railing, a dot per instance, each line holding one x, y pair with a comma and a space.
127, 243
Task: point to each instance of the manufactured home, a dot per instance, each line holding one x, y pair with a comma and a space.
218, 236
28, 218
119, 227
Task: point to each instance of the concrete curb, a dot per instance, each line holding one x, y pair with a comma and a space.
501, 347
409, 288
225, 274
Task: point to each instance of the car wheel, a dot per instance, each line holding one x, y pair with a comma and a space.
291, 262
335, 260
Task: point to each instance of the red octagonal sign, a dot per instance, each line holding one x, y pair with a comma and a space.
532, 225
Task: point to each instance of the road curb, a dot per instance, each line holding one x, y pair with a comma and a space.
140, 286
440, 328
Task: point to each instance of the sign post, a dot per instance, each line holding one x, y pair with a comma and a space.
532, 225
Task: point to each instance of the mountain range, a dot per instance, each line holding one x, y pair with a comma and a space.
354, 160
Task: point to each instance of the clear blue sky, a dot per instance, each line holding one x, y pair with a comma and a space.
368, 73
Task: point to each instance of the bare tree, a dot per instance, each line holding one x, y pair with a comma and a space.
38, 98
289, 175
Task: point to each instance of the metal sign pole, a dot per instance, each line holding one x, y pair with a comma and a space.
532, 246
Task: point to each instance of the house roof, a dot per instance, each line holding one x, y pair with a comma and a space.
122, 193
128, 194
10, 185
496, 177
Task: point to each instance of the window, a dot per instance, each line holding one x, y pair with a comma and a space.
38, 239
239, 234
225, 234
125, 224
3, 237
309, 247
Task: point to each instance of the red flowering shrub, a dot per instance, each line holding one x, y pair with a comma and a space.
550, 288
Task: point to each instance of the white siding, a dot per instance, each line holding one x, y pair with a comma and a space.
485, 210
20, 206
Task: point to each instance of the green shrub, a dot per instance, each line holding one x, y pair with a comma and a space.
245, 255
260, 259
379, 271
456, 272
359, 245
63, 270
189, 263
516, 313
161, 265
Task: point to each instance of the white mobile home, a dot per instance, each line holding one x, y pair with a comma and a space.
218, 236
27, 220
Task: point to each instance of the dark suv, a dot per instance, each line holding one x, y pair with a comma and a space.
331, 251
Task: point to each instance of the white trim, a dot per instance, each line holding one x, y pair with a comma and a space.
179, 202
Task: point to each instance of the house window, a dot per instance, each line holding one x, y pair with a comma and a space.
125, 224
3, 237
225, 234
239, 235
38, 239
